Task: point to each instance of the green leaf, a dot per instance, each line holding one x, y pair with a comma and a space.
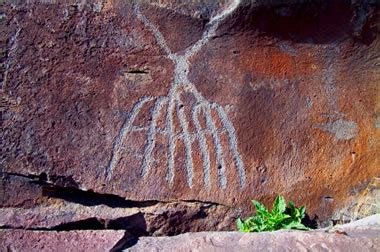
260, 208
274, 220
291, 204
295, 225
302, 210
240, 225
279, 205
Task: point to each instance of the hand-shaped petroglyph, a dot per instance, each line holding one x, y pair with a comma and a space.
173, 102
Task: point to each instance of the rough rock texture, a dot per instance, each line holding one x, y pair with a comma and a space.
363, 204
20, 240
33, 205
362, 235
276, 241
174, 101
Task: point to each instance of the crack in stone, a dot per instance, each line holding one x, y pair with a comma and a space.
91, 198
76, 209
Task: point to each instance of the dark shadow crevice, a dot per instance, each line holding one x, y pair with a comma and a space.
67, 189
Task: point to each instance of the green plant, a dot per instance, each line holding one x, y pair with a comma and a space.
281, 217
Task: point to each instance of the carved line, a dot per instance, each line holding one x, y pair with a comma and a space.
187, 141
151, 136
174, 102
160, 39
203, 147
233, 143
177, 136
218, 147
124, 130
172, 140
212, 26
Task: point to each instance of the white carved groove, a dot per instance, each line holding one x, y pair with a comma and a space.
187, 141
232, 143
124, 130
218, 147
202, 107
151, 136
200, 135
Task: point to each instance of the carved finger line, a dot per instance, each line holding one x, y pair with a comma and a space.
171, 135
218, 147
203, 146
124, 130
151, 140
232, 142
187, 142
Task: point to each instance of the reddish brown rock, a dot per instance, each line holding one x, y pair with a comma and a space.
33, 204
275, 241
19, 240
304, 108
155, 219
211, 103
362, 235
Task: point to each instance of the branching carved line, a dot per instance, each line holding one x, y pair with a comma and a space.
187, 141
218, 148
124, 130
202, 107
151, 135
202, 146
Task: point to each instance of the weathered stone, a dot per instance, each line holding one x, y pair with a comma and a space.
221, 102
158, 219
353, 237
362, 235
20, 240
39, 206
17, 191
276, 241
365, 204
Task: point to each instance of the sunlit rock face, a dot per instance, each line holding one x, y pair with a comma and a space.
173, 101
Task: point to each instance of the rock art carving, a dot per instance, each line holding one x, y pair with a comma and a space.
173, 103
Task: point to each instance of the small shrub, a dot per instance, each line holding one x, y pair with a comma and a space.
281, 217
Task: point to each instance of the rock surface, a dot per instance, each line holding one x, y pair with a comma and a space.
362, 235
20, 240
177, 101
276, 241
29, 204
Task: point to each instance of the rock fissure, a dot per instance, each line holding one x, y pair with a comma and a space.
60, 208
91, 198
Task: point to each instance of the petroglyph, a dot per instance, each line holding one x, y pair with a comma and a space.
175, 107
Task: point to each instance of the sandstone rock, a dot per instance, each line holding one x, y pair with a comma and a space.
359, 236
365, 204
354, 237
20, 240
276, 241
31, 204
219, 102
